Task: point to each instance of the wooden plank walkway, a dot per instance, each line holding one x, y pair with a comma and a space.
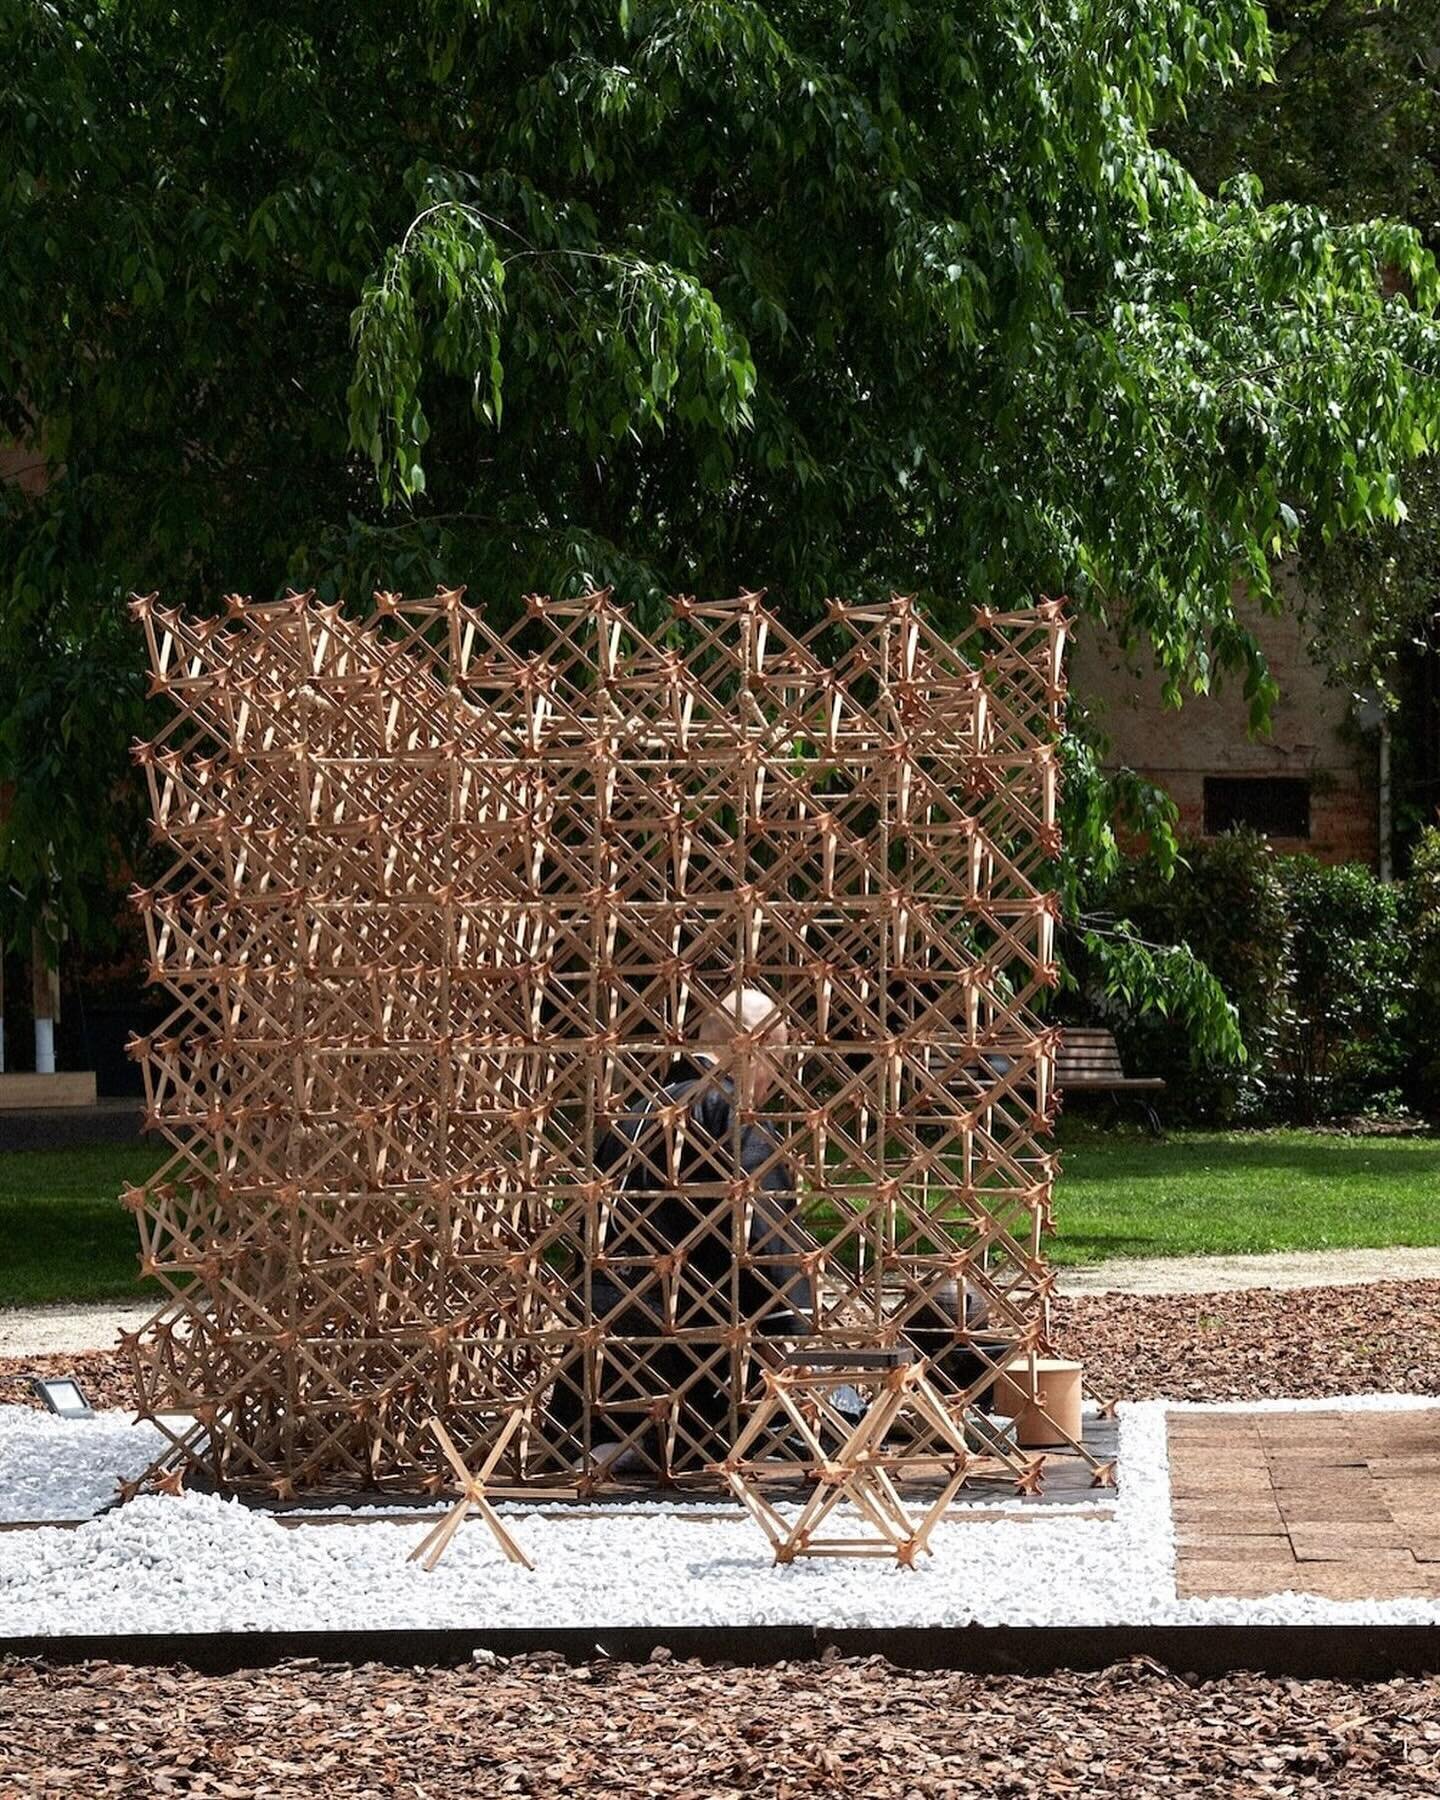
1341, 1504
1068, 1481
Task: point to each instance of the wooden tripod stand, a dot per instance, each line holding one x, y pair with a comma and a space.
474, 1492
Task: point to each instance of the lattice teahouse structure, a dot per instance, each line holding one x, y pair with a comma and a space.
448, 907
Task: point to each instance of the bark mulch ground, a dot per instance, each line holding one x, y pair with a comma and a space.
103, 1375
686, 1732
1257, 1344
536, 1728
1381, 1338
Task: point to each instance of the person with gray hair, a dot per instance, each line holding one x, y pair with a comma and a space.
742, 1034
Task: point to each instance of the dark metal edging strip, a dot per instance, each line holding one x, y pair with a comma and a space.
1341, 1652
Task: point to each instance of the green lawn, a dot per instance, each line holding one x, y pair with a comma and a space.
1207, 1192
64, 1236
63, 1232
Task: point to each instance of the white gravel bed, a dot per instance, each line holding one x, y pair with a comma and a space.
203, 1564
53, 1468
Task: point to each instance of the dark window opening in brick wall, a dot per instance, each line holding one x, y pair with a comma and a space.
1277, 806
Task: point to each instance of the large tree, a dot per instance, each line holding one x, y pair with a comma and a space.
686, 296
1351, 123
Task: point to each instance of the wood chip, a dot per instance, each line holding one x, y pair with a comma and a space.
683, 1731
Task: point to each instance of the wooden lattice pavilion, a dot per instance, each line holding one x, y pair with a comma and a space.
448, 901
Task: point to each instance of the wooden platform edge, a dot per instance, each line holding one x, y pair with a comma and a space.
23, 1091
1336, 1652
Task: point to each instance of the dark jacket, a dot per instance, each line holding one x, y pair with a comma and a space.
659, 1206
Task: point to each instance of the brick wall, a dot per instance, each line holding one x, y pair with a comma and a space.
1309, 737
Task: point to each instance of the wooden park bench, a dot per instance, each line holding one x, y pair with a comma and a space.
1088, 1062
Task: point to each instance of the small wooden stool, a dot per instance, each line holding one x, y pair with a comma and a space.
846, 1457
1042, 1395
473, 1492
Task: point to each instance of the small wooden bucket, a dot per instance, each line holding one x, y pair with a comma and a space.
1056, 1392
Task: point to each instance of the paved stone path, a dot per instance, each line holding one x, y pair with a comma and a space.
56, 1330
1227, 1274
1342, 1504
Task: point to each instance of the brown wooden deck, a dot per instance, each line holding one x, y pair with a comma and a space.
1342, 1504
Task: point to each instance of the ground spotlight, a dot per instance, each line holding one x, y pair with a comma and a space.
64, 1396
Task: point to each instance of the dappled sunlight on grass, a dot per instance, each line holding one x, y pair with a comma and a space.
63, 1233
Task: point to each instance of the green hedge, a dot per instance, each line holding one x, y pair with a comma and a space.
1335, 976
1422, 930
1343, 1041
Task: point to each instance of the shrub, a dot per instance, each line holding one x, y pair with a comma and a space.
1342, 1038
1422, 921
1226, 904
1334, 976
